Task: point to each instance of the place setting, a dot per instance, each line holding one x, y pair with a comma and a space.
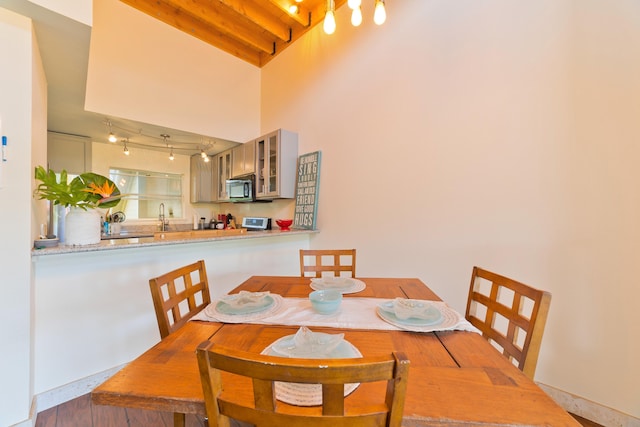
345, 285
422, 315
244, 306
310, 345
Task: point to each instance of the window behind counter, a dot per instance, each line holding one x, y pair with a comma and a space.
145, 191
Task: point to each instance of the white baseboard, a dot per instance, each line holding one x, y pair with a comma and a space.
592, 411
67, 392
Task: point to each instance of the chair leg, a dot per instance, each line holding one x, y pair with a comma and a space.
178, 420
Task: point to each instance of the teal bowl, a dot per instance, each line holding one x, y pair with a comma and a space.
326, 301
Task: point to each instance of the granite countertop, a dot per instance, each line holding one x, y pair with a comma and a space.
162, 239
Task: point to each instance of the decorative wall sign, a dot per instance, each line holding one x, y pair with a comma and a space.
307, 190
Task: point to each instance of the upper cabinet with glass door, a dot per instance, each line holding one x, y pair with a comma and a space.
224, 173
276, 158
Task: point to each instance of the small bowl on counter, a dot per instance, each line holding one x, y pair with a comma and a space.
325, 301
45, 243
284, 224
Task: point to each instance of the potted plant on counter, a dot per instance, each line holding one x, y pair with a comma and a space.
83, 195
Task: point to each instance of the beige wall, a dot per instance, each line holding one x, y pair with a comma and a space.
491, 133
141, 69
23, 121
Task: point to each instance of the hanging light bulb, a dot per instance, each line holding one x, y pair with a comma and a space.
171, 157
112, 137
329, 24
126, 149
354, 4
206, 158
379, 14
356, 17
203, 154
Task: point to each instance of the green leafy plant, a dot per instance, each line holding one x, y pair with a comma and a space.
86, 191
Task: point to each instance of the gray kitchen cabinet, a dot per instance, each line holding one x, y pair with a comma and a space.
223, 161
243, 158
69, 152
276, 160
204, 180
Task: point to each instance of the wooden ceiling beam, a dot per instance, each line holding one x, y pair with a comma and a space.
228, 23
255, 31
303, 16
256, 14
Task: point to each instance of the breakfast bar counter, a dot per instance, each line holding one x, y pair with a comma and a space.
93, 304
168, 238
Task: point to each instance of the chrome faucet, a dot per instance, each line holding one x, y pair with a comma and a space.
163, 221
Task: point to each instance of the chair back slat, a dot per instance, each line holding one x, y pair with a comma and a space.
331, 374
315, 262
509, 314
179, 295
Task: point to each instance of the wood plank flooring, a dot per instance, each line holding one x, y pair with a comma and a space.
80, 412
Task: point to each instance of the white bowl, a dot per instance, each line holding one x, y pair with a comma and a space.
325, 301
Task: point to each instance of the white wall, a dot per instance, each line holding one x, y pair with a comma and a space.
79, 10
95, 308
142, 69
23, 116
491, 133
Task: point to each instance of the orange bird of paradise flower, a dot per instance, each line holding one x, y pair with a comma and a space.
105, 190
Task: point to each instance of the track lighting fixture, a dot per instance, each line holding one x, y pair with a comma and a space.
164, 139
112, 137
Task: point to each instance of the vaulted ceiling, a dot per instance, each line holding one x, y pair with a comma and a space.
255, 31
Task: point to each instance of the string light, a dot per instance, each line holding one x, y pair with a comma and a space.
379, 14
329, 24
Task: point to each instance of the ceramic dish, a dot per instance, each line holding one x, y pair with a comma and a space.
412, 312
213, 311
227, 306
346, 285
449, 319
309, 394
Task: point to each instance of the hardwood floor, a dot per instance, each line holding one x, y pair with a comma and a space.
80, 412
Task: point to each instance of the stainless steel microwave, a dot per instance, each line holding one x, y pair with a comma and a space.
241, 189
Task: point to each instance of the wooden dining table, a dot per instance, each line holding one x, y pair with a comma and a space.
456, 377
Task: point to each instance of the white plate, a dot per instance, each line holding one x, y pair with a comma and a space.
225, 305
450, 318
309, 394
426, 313
345, 285
212, 310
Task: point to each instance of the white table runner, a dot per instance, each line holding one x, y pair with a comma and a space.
354, 313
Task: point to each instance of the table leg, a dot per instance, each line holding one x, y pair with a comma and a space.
178, 420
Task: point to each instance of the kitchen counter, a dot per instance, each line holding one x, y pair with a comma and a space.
167, 238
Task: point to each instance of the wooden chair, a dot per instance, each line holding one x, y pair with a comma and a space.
509, 314
178, 296
337, 256
332, 374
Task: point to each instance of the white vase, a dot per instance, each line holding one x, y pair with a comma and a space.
82, 227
